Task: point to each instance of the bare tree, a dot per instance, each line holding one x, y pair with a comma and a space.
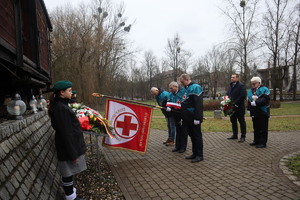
296, 38
90, 48
176, 57
243, 31
201, 74
275, 33
213, 60
151, 67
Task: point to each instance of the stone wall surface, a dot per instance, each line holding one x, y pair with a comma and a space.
28, 162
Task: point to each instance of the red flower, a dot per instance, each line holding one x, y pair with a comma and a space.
85, 123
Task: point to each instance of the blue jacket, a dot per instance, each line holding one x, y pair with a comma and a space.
262, 103
192, 103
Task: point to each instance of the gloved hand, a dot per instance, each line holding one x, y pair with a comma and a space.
253, 103
248, 112
196, 122
254, 97
168, 109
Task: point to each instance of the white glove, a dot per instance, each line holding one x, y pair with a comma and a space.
254, 97
196, 122
253, 103
248, 112
168, 109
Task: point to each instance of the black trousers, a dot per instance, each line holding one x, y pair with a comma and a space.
181, 137
260, 126
241, 118
194, 131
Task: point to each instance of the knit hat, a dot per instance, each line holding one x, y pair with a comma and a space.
62, 85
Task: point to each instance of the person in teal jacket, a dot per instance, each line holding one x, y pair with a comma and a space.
162, 97
258, 105
192, 115
173, 106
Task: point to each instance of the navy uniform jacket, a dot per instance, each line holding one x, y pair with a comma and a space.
69, 139
238, 94
192, 104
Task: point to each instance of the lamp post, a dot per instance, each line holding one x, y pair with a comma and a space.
243, 5
16, 107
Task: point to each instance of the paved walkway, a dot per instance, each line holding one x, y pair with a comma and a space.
230, 170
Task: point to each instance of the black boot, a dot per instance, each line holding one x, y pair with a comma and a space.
233, 137
197, 159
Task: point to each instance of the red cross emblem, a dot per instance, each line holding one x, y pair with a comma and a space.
126, 125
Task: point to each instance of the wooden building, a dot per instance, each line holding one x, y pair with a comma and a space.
24, 48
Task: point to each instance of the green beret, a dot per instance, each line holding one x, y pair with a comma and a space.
62, 85
73, 91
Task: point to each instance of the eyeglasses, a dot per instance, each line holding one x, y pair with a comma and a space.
253, 83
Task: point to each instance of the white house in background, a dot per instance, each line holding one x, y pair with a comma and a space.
265, 75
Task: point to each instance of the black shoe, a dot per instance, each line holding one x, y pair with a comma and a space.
233, 137
181, 151
191, 157
253, 144
197, 159
261, 146
175, 150
242, 139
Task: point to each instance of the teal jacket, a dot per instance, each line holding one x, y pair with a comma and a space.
162, 99
262, 103
176, 98
192, 103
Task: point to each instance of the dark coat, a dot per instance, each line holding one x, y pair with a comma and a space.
238, 94
69, 139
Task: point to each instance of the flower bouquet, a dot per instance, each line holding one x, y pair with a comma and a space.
91, 120
227, 106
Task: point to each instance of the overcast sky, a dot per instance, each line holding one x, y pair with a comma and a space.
199, 23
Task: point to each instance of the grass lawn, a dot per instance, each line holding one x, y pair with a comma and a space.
287, 109
294, 165
217, 125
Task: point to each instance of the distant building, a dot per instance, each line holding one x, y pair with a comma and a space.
286, 73
24, 47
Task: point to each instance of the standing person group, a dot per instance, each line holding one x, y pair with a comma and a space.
188, 121
69, 141
189, 101
258, 107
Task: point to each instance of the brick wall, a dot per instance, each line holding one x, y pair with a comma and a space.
28, 163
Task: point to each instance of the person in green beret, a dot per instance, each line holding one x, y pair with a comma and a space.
69, 141
73, 97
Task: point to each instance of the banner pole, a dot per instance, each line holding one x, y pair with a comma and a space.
136, 102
